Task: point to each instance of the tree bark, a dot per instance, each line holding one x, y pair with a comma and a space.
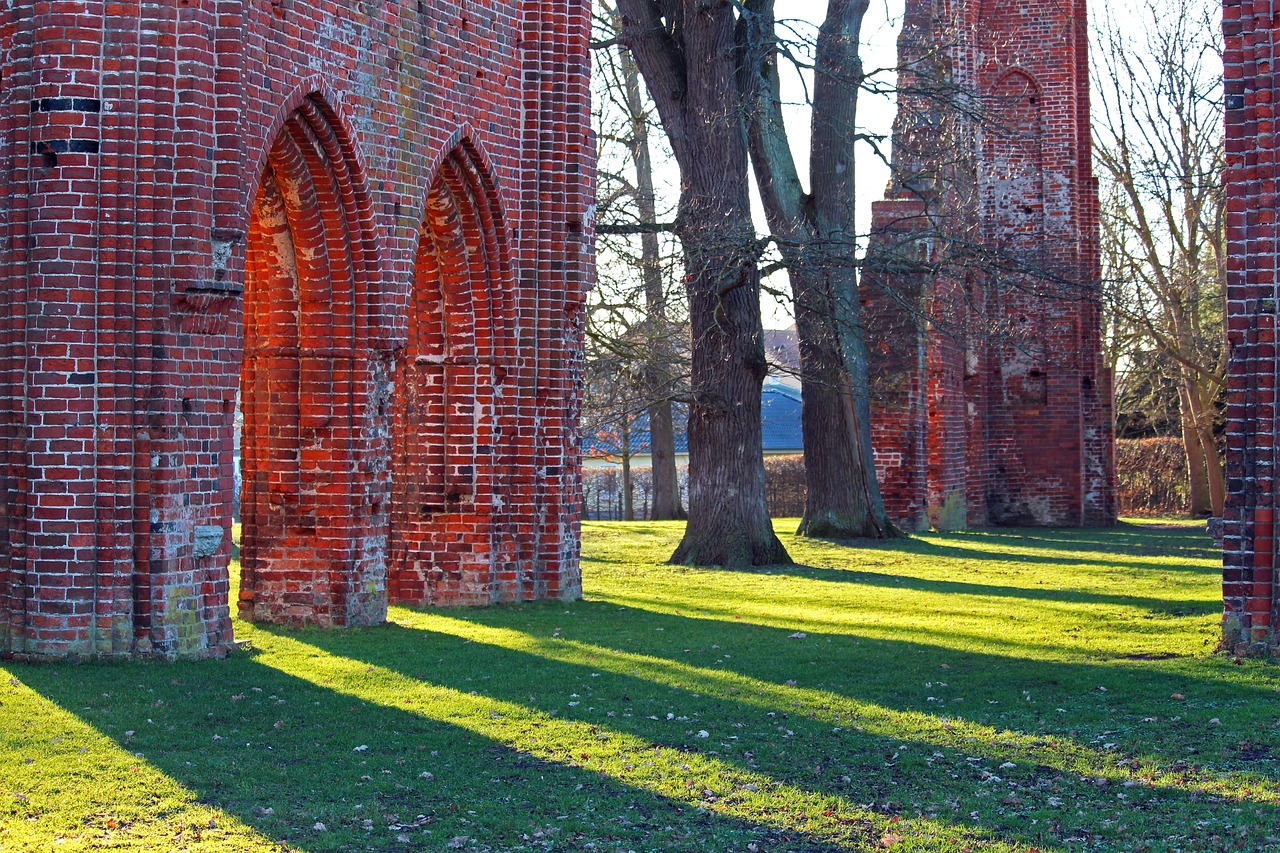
1202, 414
628, 500
816, 235
1196, 475
662, 436
667, 505
684, 50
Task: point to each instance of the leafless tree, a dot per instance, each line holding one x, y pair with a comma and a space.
629, 208
685, 52
1159, 141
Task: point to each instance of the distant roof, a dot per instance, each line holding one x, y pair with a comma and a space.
606, 442
779, 413
780, 417
782, 349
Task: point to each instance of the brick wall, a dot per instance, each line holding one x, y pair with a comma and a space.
993, 403
1252, 619
373, 224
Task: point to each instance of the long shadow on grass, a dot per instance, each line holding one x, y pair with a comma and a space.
888, 671
886, 755
246, 737
953, 546
962, 630
1162, 606
1137, 540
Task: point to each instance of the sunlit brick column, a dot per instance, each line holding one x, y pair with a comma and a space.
1251, 623
557, 270
56, 555
15, 52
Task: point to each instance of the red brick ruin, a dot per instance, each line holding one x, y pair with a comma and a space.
1251, 585
373, 225
992, 403
372, 230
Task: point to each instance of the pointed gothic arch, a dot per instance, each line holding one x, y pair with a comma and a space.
450, 458
309, 544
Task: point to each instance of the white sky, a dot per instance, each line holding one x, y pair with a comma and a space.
875, 114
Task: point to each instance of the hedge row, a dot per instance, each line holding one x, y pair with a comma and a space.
1152, 476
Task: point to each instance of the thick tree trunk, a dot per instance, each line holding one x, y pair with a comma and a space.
842, 502
685, 52
728, 516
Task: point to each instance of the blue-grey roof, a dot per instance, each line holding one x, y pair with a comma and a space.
779, 413
780, 417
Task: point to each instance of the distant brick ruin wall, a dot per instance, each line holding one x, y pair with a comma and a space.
992, 403
373, 223
1250, 589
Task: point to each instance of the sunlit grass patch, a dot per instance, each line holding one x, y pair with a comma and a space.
65, 785
1008, 690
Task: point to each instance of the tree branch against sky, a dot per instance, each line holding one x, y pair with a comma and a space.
1158, 139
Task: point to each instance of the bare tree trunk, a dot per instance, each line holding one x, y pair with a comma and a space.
1202, 416
662, 436
666, 475
842, 500
816, 235
628, 501
685, 52
726, 460
1197, 479
1214, 471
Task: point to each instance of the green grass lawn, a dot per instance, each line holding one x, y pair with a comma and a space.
1014, 690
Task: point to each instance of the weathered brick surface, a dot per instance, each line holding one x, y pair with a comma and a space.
372, 220
993, 405
1250, 588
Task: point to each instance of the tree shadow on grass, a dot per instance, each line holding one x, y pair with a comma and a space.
899, 753
953, 546
246, 738
1162, 606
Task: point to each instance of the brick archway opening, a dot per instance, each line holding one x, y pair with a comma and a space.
310, 548
448, 489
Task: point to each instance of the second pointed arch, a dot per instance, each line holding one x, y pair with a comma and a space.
447, 458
